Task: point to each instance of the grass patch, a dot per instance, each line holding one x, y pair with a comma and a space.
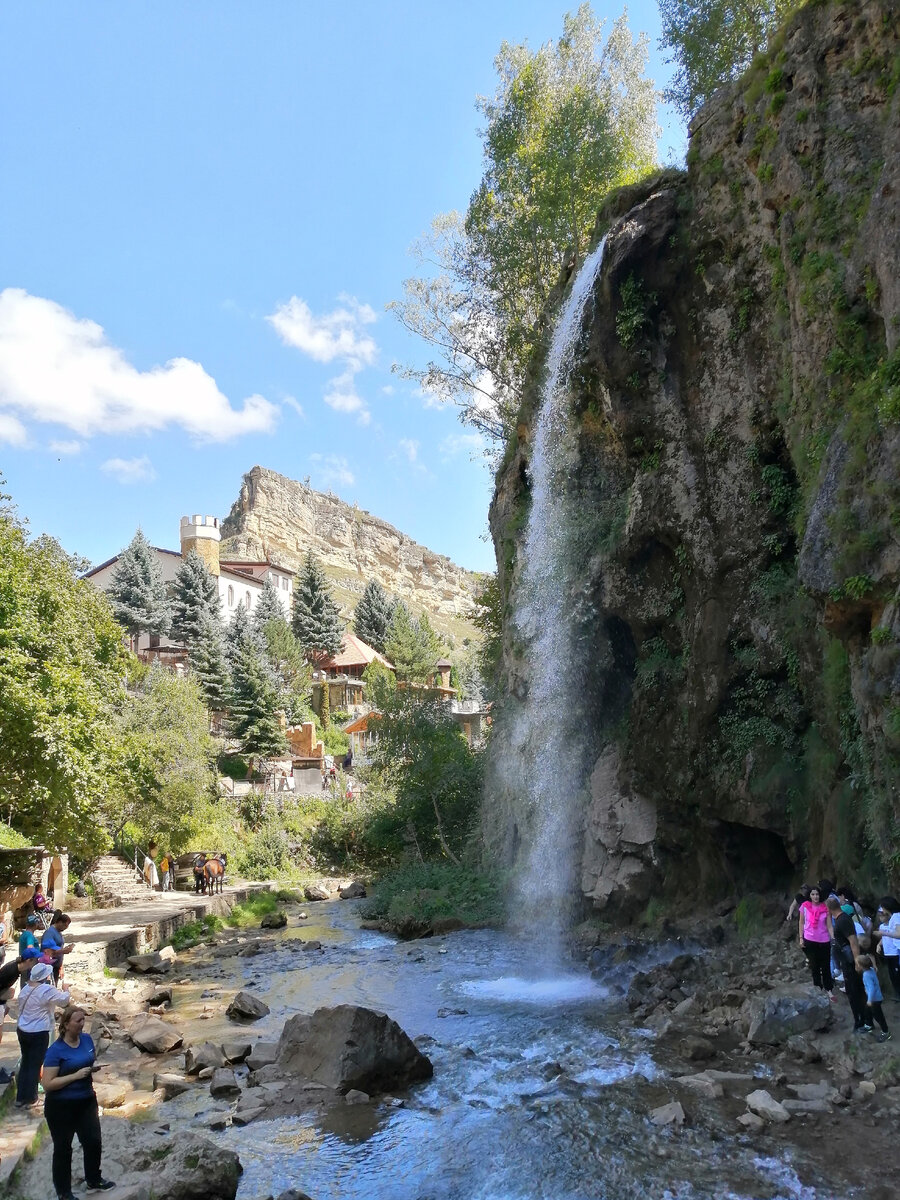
288, 896
192, 933
252, 911
749, 920
424, 892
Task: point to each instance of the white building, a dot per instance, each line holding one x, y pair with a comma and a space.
240, 583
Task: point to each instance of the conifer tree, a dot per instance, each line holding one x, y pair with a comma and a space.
316, 618
372, 615
239, 633
210, 665
196, 598
138, 594
412, 646
255, 704
268, 607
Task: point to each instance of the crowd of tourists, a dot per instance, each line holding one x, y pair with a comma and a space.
842, 942
64, 1068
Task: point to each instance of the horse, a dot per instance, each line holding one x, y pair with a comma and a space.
199, 868
214, 871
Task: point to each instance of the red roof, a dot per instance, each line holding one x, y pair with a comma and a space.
355, 653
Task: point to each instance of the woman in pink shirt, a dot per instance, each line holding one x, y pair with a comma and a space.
815, 939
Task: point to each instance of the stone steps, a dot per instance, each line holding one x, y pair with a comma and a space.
116, 882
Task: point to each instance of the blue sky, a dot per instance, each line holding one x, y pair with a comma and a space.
205, 209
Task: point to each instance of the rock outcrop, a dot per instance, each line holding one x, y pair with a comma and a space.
736, 403
282, 519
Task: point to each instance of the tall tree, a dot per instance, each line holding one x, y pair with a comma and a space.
292, 671
195, 599
240, 633
411, 645
137, 592
210, 664
372, 615
255, 705
567, 124
316, 618
268, 606
713, 41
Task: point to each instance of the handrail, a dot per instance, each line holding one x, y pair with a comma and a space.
128, 848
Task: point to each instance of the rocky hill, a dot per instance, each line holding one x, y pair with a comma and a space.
737, 484
281, 519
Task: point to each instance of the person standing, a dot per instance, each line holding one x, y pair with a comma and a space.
847, 951
889, 924
37, 1000
53, 944
865, 965
815, 940
150, 873
28, 941
70, 1104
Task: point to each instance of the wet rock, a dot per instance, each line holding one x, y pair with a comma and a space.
160, 995
697, 1048
246, 1007
355, 1096
205, 1055
668, 1114
236, 1052
263, 1054
767, 1107
186, 1167
146, 963
293, 1194
223, 1084
228, 950
243, 1116
274, 920
312, 944
353, 891
751, 1122
804, 1107
155, 1036
804, 1048
315, 891
349, 1046
170, 1084
786, 1011
452, 1012
703, 1085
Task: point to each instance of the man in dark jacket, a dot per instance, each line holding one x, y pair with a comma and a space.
847, 947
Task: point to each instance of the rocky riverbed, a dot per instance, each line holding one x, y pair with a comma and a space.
689, 1065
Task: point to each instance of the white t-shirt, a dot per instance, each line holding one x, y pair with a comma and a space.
890, 946
36, 1004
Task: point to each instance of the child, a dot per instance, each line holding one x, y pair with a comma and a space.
865, 964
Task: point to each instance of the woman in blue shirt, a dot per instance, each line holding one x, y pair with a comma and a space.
53, 944
70, 1105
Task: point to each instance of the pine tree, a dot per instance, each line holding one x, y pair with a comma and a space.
316, 618
411, 645
240, 633
255, 705
196, 598
138, 594
210, 665
372, 616
268, 607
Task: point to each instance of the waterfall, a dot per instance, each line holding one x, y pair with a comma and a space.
545, 742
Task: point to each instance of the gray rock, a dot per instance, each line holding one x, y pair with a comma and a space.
153, 962
703, 1085
205, 1055
786, 1011
806, 1106
353, 891
668, 1114
186, 1167
751, 1122
274, 920
350, 1047
312, 944
170, 1084
263, 1054
315, 891
294, 1194
155, 1036
355, 1096
697, 1048
243, 1116
767, 1107
246, 1007
160, 995
236, 1052
223, 1084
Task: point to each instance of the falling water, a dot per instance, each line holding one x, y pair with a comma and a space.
548, 731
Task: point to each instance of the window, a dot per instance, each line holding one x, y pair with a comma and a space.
230, 596
284, 582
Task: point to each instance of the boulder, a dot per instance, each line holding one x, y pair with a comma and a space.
168, 953
312, 944
170, 1084
703, 1085
315, 891
355, 1096
349, 1046
223, 1084
697, 1048
353, 891
205, 1055
274, 920
804, 1107
153, 962
111, 1095
237, 1052
155, 1036
160, 995
751, 1122
263, 1054
786, 1011
246, 1007
767, 1107
668, 1114
185, 1167
244, 1116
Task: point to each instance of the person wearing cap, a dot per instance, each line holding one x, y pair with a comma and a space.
37, 1002
28, 941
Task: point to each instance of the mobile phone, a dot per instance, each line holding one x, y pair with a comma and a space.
96, 1067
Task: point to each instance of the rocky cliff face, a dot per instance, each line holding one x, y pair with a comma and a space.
737, 400
279, 518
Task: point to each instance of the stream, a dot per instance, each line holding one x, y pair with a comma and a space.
540, 1089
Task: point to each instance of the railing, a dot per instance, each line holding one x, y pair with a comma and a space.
128, 848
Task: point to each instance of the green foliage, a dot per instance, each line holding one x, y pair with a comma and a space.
255, 705
195, 600
316, 619
568, 123
268, 607
411, 645
232, 766
266, 855
487, 617
422, 892
881, 636
380, 684
749, 919
10, 839
288, 664
209, 664
633, 315
252, 910
372, 616
62, 670
713, 41
137, 592
336, 741
192, 933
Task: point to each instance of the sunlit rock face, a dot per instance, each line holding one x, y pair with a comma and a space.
281, 518
733, 499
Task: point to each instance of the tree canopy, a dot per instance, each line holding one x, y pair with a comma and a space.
195, 600
713, 41
372, 615
411, 645
316, 618
567, 124
268, 606
137, 591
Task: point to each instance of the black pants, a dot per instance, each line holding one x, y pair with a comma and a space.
818, 955
66, 1118
33, 1047
856, 992
892, 962
876, 1011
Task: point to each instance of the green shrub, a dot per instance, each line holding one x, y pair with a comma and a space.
252, 910
194, 932
233, 766
266, 856
425, 891
748, 918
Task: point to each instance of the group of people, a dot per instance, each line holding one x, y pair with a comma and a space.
65, 1068
162, 877
838, 938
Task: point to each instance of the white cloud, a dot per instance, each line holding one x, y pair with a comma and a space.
129, 470
295, 405
339, 336
459, 443
12, 431
333, 469
410, 448
58, 368
73, 447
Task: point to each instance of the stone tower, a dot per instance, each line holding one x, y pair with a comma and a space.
202, 534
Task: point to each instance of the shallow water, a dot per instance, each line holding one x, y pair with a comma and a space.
537, 1093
